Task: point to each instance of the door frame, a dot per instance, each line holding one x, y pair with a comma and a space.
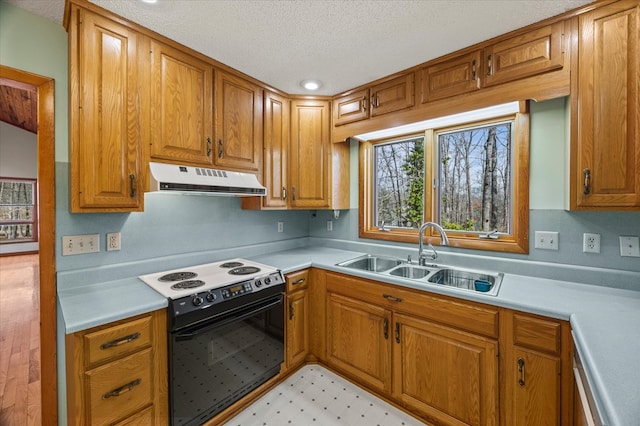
47, 237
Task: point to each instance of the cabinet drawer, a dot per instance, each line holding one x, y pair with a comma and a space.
473, 317
143, 418
536, 333
118, 389
118, 340
297, 280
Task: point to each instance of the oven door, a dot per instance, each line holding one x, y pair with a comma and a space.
218, 361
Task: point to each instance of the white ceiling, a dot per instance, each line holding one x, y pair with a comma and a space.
343, 43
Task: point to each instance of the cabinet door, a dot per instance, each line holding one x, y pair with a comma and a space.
392, 95
238, 123
447, 375
358, 340
351, 107
105, 147
310, 155
297, 328
532, 53
452, 77
276, 149
605, 148
533, 388
182, 102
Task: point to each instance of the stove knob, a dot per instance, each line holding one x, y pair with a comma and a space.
259, 283
267, 280
197, 301
211, 297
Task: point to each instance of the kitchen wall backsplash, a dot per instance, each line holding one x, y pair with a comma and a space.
171, 224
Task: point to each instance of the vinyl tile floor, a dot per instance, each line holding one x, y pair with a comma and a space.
315, 396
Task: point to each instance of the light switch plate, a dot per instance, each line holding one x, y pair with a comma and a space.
629, 246
546, 240
80, 244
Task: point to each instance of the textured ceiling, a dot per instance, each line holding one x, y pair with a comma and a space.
343, 43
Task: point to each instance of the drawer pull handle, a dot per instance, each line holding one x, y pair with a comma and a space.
220, 148
121, 341
132, 185
364, 104
299, 281
284, 193
122, 389
208, 147
291, 310
521, 371
392, 298
489, 65
473, 70
386, 329
397, 332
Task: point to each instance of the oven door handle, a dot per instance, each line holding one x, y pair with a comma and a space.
233, 317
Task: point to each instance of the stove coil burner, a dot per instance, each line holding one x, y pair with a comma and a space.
178, 276
185, 285
231, 264
244, 270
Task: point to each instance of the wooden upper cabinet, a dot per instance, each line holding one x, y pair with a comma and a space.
351, 107
310, 154
392, 95
106, 152
238, 143
531, 53
605, 149
277, 114
451, 77
181, 106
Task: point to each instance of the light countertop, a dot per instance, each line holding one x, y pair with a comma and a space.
604, 320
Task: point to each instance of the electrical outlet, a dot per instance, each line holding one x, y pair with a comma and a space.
280, 226
630, 246
80, 244
329, 225
590, 243
546, 240
113, 241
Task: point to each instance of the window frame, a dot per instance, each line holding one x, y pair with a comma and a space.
34, 220
516, 242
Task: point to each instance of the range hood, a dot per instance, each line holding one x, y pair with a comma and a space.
173, 178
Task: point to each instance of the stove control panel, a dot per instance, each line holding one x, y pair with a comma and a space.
236, 290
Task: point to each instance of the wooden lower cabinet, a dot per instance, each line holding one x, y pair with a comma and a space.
445, 374
358, 340
297, 318
117, 373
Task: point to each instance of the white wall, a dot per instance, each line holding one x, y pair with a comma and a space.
18, 159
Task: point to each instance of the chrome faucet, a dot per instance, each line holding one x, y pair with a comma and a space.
443, 237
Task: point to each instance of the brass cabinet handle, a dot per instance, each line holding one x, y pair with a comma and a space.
521, 371
489, 65
392, 298
126, 339
132, 185
586, 188
290, 310
220, 148
364, 104
122, 389
386, 329
299, 281
208, 147
397, 332
473, 70
284, 193
293, 193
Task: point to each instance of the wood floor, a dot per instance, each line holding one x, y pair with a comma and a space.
19, 341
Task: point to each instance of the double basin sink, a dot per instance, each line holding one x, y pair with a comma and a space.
475, 281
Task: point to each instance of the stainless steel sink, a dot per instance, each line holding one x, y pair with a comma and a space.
468, 280
475, 281
410, 271
372, 263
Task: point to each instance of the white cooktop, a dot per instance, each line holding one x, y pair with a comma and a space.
177, 283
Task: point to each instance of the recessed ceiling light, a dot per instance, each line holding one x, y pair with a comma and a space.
149, 1
311, 84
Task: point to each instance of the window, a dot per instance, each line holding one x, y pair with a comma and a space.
18, 212
472, 178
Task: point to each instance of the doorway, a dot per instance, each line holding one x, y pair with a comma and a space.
47, 236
